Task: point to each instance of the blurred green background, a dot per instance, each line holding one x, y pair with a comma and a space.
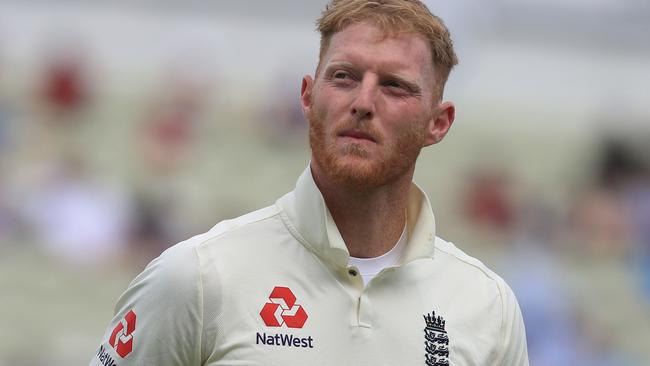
127, 127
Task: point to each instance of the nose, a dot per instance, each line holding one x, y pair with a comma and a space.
363, 106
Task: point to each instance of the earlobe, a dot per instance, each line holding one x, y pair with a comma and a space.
440, 123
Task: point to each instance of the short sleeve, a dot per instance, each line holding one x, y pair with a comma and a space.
514, 350
158, 319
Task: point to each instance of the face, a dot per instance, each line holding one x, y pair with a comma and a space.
371, 107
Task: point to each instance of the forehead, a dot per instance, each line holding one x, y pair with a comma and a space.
368, 45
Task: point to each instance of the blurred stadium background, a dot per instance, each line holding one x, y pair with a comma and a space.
127, 126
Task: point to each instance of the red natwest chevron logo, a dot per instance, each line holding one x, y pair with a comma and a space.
282, 309
122, 337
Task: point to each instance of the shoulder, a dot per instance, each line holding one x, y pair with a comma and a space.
228, 231
177, 290
189, 264
173, 271
180, 260
178, 268
479, 279
454, 256
474, 275
247, 221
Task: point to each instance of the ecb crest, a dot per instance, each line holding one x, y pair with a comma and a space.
436, 342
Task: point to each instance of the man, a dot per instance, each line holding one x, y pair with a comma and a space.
346, 269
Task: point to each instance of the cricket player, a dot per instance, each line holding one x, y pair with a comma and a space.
346, 269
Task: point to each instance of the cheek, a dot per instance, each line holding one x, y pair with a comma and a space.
325, 121
409, 133
319, 127
329, 103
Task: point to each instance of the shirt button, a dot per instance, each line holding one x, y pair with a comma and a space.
353, 272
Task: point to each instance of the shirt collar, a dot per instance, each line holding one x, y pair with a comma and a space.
307, 216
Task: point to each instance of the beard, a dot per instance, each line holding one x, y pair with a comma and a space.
352, 165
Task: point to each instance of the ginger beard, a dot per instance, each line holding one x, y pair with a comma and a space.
364, 171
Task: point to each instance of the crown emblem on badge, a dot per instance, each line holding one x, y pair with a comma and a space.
436, 341
435, 323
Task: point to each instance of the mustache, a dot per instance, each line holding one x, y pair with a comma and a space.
347, 127
364, 130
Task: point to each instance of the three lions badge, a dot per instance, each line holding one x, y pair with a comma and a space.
436, 342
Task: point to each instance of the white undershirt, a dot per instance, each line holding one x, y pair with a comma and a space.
370, 267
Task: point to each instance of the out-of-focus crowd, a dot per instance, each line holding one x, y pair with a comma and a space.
580, 269
56, 192
96, 182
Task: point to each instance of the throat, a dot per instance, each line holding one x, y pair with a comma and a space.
373, 236
370, 221
370, 267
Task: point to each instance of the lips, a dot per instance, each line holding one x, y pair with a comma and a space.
359, 135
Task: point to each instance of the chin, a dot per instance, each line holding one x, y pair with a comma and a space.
357, 172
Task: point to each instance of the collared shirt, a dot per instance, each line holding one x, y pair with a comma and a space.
273, 287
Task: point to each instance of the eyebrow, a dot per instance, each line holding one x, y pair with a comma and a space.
343, 64
411, 85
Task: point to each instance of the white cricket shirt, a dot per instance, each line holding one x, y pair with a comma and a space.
273, 287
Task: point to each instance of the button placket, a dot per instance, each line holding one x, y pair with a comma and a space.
365, 311
361, 313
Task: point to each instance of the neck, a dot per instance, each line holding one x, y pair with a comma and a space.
369, 220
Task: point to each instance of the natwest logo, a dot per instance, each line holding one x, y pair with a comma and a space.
122, 336
282, 309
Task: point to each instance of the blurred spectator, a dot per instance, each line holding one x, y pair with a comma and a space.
599, 219
599, 223
64, 89
550, 325
57, 119
488, 200
638, 205
75, 218
608, 222
557, 330
165, 143
170, 129
532, 268
158, 222
635, 199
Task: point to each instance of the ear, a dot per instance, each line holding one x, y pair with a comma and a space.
305, 94
440, 123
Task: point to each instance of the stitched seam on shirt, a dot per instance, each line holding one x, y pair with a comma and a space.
236, 227
502, 331
294, 232
501, 345
487, 273
201, 302
219, 298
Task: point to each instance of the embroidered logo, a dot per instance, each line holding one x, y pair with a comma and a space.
436, 342
122, 336
282, 309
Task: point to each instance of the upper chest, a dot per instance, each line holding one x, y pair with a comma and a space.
285, 306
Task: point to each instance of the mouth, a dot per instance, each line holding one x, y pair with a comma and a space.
357, 135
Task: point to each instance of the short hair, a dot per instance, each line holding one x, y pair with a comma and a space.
392, 16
